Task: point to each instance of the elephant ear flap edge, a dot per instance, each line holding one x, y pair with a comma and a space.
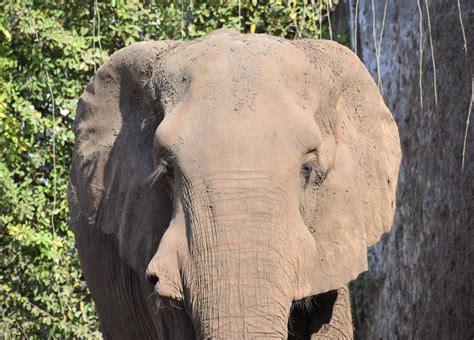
116, 118
363, 198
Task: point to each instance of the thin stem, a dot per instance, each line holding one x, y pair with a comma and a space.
467, 126
329, 20
432, 54
356, 25
420, 80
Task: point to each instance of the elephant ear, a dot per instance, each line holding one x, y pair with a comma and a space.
355, 204
116, 119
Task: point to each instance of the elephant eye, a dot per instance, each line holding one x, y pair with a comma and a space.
312, 174
306, 171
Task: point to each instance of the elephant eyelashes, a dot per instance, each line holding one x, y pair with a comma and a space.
166, 177
163, 174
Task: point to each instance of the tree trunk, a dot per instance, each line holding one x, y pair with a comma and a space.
421, 276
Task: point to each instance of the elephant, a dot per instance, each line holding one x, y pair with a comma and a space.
228, 187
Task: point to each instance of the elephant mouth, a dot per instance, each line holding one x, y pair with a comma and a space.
309, 315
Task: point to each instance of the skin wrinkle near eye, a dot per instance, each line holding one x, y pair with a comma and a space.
165, 278
308, 139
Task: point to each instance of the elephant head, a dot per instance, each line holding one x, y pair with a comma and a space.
239, 172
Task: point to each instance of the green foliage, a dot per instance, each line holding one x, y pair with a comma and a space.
48, 53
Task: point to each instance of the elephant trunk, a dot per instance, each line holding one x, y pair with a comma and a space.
234, 304
238, 281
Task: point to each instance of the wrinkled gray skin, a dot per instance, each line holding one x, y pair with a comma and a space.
238, 173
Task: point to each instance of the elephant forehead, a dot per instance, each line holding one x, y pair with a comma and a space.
260, 78
238, 71
272, 128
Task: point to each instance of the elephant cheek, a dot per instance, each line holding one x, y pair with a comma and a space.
306, 258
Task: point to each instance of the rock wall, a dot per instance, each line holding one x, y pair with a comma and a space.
420, 284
